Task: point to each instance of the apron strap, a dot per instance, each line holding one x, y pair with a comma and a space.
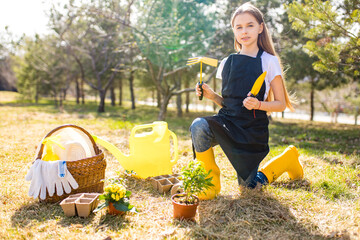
260, 52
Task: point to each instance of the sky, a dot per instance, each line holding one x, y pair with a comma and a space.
24, 16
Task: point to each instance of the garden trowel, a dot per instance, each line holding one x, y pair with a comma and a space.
201, 60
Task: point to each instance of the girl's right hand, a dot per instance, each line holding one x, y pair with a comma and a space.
207, 91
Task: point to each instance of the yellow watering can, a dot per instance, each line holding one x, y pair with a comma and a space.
150, 153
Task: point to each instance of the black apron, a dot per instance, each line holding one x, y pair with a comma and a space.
242, 134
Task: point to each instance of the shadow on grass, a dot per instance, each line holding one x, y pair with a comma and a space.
252, 215
114, 223
33, 213
318, 138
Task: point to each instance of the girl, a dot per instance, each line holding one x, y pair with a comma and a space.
241, 126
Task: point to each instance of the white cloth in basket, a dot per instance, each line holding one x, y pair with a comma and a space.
76, 143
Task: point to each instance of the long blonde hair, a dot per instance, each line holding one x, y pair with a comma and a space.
264, 42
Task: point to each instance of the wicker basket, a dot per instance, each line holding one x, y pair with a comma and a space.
87, 172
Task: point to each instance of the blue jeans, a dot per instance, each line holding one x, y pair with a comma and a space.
254, 178
202, 136
203, 139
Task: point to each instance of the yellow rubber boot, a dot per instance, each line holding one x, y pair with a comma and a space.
288, 162
208, 159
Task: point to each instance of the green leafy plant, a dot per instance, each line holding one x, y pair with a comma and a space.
195, 180
116, 194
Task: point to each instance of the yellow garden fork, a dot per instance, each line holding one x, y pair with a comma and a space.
201, 60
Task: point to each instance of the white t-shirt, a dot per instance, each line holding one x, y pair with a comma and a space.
270, 63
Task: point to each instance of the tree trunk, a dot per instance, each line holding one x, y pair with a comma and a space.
153, 97
55, 100
64, 94
77, 85
356, 114
312, 92
163, 108
158, 99
120, 90
101, 107
36, 93
82, 92
187, 97
60, 100
131, 83
112, 95
36, 96
178, 105
178, 97
61, 107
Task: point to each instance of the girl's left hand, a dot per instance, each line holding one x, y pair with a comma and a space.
251, 102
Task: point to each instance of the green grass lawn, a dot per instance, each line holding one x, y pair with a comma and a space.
324, 205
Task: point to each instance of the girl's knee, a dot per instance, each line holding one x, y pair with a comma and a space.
201, 134
198, 126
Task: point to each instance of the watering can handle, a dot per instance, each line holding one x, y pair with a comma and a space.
136, 128
176, 154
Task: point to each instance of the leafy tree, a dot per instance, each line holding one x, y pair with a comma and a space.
43, 69
8, 44
298, 65
325, 36
93, 38
171, 32
29, 78
332, 27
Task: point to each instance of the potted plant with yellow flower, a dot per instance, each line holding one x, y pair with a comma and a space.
116, 197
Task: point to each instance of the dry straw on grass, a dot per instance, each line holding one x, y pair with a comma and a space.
283, 210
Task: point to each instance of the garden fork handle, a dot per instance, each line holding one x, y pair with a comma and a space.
201, 90
201, 83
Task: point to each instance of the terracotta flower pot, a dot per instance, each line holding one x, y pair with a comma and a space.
182, 210
114, 211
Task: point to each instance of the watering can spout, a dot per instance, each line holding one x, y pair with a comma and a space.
122, 158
